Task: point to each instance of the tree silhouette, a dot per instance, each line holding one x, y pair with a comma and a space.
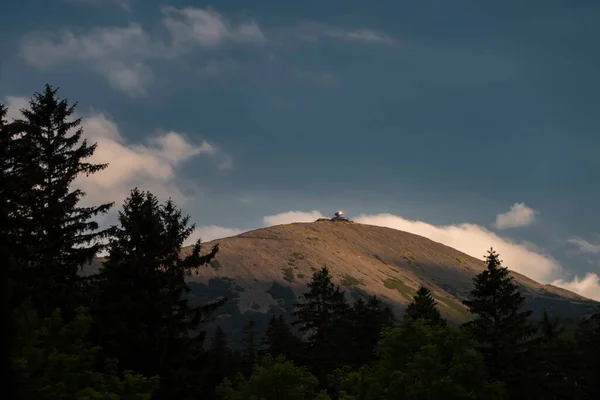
424, 306
501, 328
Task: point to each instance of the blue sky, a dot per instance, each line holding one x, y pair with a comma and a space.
447, 113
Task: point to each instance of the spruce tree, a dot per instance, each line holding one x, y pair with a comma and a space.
588, 357
501, 328
142, 311
61, 235
249, 347
424, 307
556, 360
368, 320
220, 363
323, 314
280, 340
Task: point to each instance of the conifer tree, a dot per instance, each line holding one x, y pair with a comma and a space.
61, 235
249, 347
424, 307
142, 311
280, 340
323, 315
588, 357
556, 361
501, 328
220, 363
368, 320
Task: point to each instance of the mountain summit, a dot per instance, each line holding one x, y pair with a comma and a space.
262, 272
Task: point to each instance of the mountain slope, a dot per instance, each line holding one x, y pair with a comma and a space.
262, 272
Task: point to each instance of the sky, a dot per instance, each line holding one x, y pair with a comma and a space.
472, 123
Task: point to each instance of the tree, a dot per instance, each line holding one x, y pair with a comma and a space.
420, 360
142, 311
424, 306
273, 379
57, 235
280, 340
556, 362
368, 320
249, 347
220, 363
501, 328
53, 360
588, 357
323, 315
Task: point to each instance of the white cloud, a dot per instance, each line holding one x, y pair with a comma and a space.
113, 52
150, 165
210, 232
291, 217
475, 240
518, 215
365, 35
589, 286
584, 246
191, 26
121, 54
14, 105
313, 31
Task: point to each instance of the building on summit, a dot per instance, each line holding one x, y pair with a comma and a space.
339, 216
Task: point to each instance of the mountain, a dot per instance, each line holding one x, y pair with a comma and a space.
262, 272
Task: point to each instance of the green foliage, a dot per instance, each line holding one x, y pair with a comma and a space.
288, 274
420, 360
323, 314
350, 282
249, 347
280, 340
142, 313
500, 328
215, 264
52, 360
58, 235
456, 310
368, 320
424, 307
406, 291
273, 379
588, 357
408, 257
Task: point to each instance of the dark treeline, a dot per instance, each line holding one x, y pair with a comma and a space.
128, 332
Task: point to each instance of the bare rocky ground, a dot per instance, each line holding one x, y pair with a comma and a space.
262, 272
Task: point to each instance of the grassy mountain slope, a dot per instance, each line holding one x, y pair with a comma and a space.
263, 271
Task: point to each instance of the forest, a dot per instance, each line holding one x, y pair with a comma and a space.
128, 332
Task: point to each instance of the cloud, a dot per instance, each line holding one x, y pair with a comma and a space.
121, 54
364, 35
584, 246
113, 52
14, 105
191, 27
589, 286
475, 240
291, 217
314, 31
210, 232
518, 215
150, 165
